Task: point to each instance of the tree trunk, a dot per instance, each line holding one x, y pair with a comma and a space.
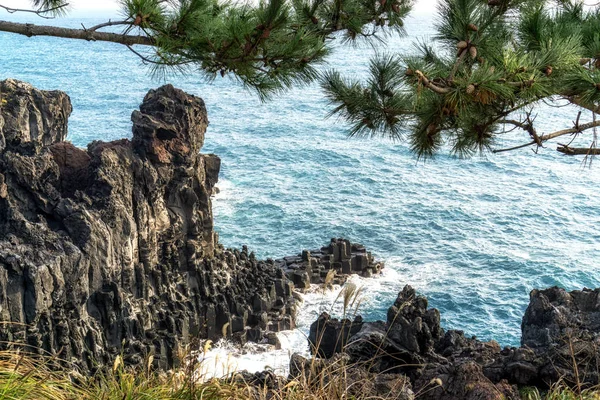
572, 151
43, 30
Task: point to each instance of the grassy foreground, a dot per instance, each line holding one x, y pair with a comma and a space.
23, 377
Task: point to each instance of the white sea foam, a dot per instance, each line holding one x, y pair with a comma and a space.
225, 357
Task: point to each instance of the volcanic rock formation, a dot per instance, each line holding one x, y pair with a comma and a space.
560, 341
111, 250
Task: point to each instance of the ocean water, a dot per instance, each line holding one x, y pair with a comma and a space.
475, 236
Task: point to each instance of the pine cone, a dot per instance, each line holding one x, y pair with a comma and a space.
471, 89
431, 129
473, 52
548, 70
396, 8
462, 45
473, 27
409, 72
314, 20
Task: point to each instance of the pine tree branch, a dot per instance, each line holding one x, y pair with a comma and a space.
109, 23
513, 148
164, 62
143, 57
40, 13
572, 151
69, 33
431, 85
592, 107
543, 138
576, 129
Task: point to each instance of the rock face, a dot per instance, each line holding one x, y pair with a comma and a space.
563, 326
558, 327
31, 119
329, 336
112, 249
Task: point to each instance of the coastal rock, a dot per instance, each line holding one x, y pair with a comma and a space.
31, 119
554, 314
401, 344
411, 324
558, 327
330, 265
372, 346
464, 381
111, 250
328, 336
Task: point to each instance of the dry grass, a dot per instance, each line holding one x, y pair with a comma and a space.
24, 377
560, 391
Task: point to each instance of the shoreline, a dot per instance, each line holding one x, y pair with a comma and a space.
109, 254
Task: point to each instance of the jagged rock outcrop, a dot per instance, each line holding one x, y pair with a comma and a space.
559, 328
328, 336
112, 249
338, 260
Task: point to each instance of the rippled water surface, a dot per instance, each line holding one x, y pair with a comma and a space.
473, 235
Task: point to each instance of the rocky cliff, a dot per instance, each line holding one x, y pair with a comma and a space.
112, 249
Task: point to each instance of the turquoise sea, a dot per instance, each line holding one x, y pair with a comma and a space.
475, 236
